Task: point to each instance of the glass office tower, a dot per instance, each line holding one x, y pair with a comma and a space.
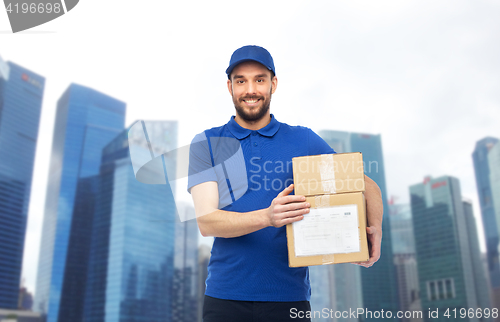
143, 260
480, 280
379, 287
185, 280
403, 246
482, 170
86, 121
21, 92
442, 246
494, 166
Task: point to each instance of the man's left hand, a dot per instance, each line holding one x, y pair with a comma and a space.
374, 235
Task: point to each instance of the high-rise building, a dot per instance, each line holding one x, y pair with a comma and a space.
25, 299
185, 281
442, 247
86, 121
203, 259
21, 92
494, 167
378, 285
403, 239
143, 260
483, 170
321, 296
480, 281
403, 246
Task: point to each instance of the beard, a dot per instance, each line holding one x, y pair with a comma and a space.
254, 114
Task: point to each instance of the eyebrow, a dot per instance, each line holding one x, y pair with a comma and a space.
256, 76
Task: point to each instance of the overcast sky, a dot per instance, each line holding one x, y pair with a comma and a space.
423, 74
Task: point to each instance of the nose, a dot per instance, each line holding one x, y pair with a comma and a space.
251, 88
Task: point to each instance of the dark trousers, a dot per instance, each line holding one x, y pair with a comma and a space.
218, 310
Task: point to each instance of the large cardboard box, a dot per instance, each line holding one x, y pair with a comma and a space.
328, 173
334, 231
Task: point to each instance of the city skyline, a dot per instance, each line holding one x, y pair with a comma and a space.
352, 141
421, 75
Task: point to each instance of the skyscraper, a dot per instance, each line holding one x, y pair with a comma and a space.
482, 288
143, 261
442, 246
21, 92
403, 246
203, 259
321, 296
494, 167
185, 280
379, 288
483, 170
86, 121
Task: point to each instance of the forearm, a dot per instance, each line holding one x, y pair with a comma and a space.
374, 204
228, 224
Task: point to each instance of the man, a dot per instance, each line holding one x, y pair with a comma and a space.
248, 274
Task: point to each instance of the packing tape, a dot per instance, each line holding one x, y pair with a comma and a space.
328, 259
322, 201
327, 173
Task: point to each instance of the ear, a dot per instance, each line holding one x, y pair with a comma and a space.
230, 87
274, 84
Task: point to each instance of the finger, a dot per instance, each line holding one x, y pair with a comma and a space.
286, 191
295, 206
289, 220
290, 214
290, 199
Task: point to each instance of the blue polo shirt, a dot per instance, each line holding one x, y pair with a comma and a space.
253, 267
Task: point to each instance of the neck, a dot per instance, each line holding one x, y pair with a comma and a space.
253, 125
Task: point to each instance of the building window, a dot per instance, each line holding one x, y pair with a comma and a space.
440, 289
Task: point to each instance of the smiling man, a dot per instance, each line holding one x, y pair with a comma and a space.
248, 274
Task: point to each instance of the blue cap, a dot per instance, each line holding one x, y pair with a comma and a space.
251, 53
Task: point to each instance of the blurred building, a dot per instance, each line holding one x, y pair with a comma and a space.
86, 121
142, 265
321, 296
481, 282
186, 269
442, 247
203, 259
21, 93
490, 212
25, 299
378, 285
403, 246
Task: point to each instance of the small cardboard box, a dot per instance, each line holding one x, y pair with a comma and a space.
341, 238
334, 231
328, 173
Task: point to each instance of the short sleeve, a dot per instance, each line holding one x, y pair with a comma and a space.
200, 162
317, 145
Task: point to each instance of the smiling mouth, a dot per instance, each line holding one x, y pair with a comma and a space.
252, 101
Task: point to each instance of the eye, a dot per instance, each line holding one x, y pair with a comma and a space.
260, 81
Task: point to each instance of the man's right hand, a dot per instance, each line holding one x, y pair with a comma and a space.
286, 208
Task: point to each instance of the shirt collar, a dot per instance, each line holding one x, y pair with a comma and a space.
241, 133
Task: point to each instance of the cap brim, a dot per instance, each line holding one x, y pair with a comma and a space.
233, 65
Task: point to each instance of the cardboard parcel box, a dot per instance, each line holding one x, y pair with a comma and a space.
334, 231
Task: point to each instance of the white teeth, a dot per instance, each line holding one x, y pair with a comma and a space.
251, 101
